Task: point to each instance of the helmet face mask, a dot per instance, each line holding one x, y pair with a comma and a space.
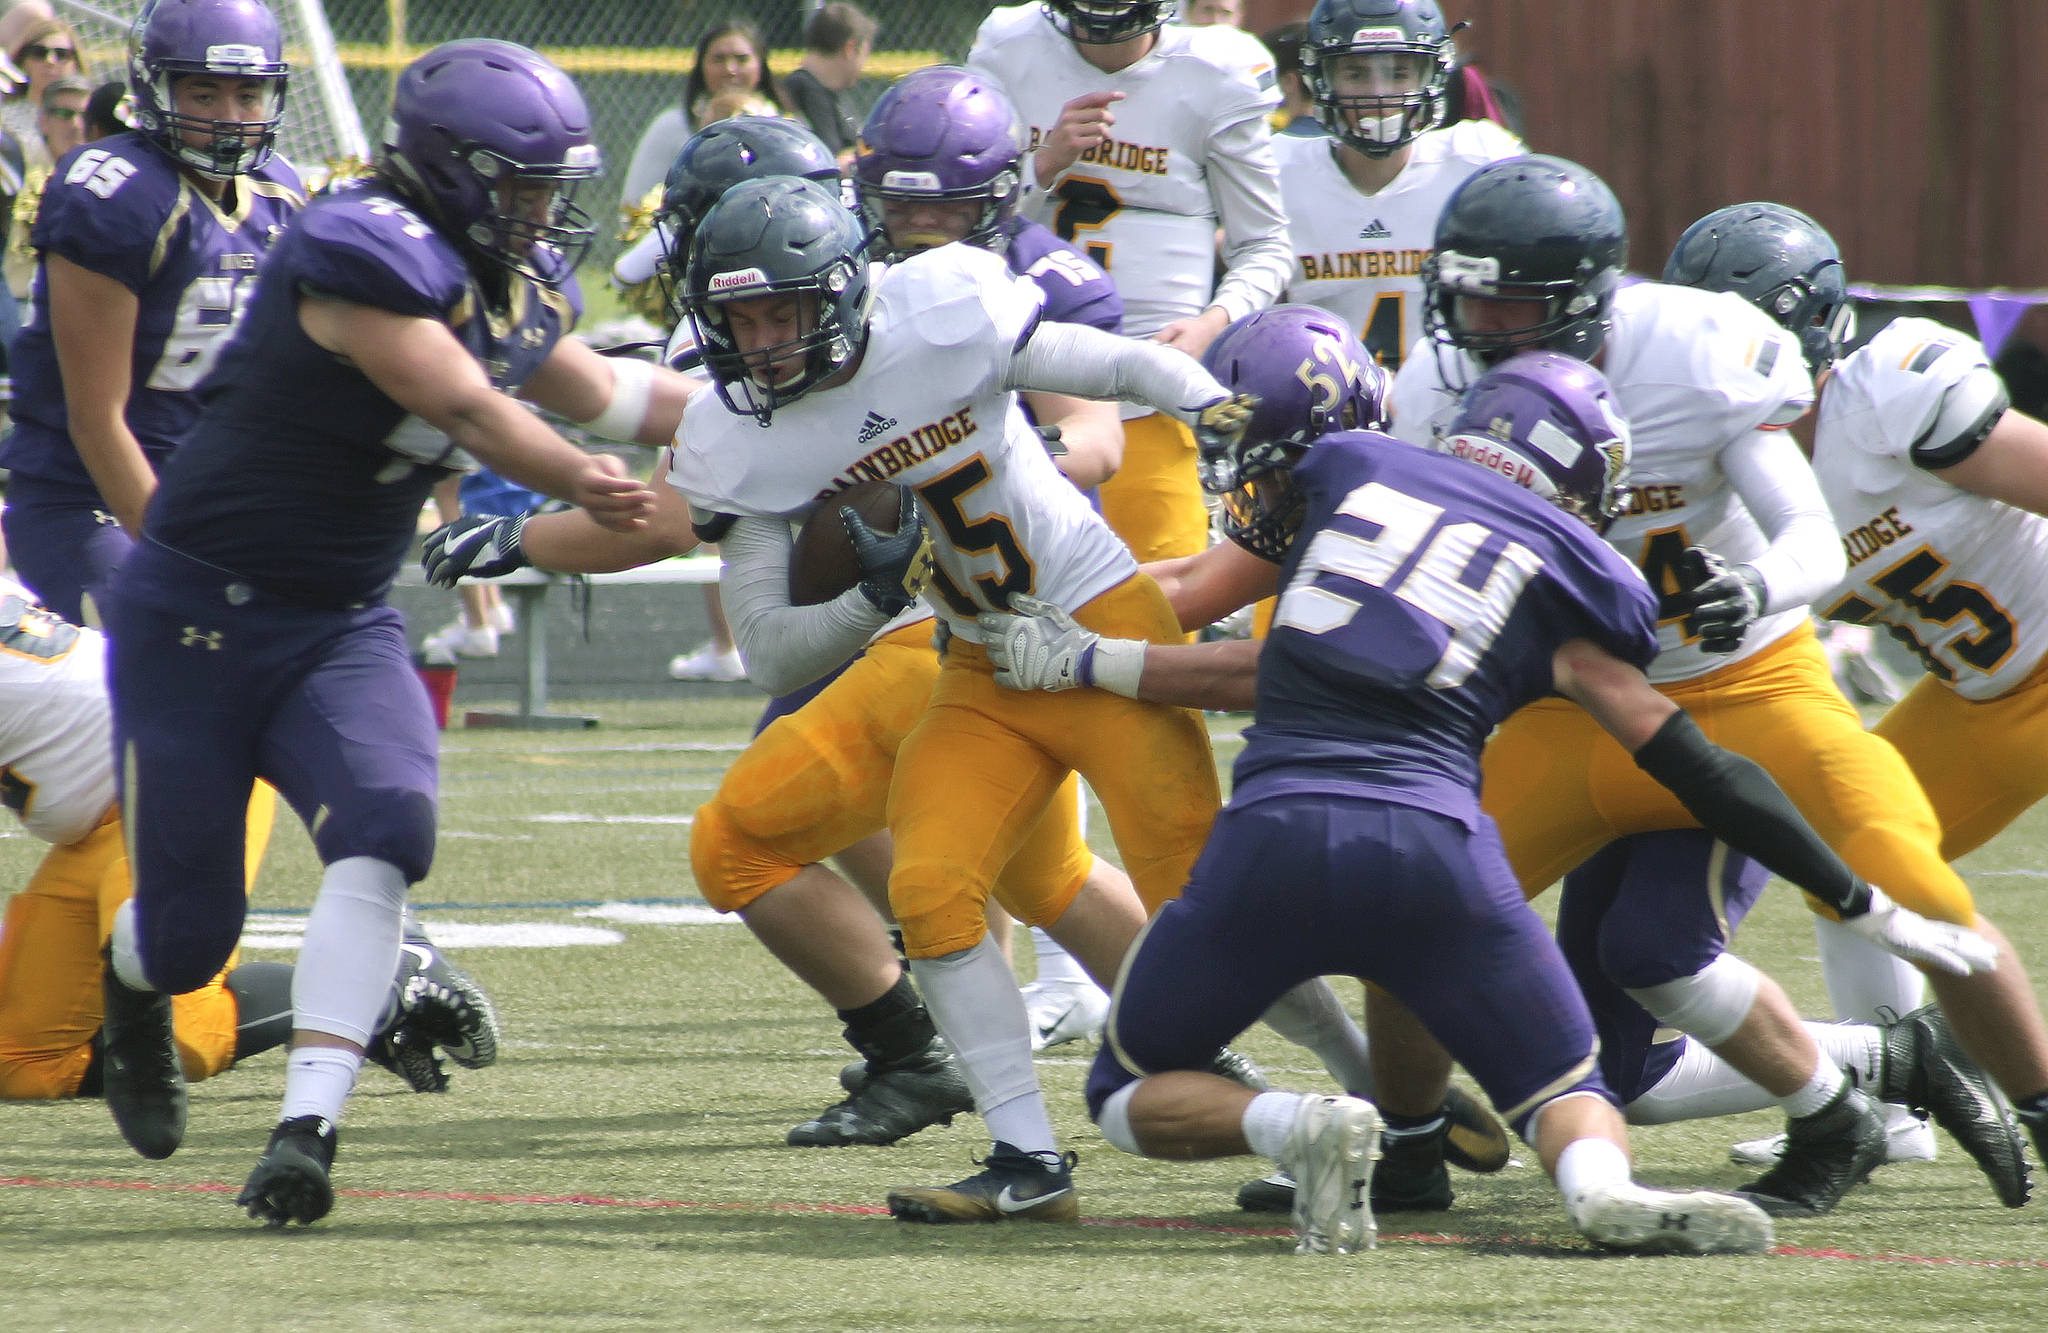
229, 41
1107, 22
1547, 421
492, 141
791, 240
1779, 260
1378, 71
940, 136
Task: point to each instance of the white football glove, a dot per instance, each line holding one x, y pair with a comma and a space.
1041, 648
1917, 939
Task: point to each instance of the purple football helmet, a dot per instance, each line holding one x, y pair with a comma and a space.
477, 124
1547, 421
229, 39
1311, 376
943, 133
1106, 22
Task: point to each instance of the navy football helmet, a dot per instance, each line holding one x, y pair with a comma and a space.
1536, 229
1548, 421
1411, 39
943, 133
230, 39
1105, 22
776, 236
1310, 376
718, 157
1779, 260
491, 141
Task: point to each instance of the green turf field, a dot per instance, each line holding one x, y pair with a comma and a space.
622, 1165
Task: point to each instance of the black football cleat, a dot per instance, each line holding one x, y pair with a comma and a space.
402, 1050
890, 1101
1477, 1141
1013, 1186
440, 1003
1827, 1154
141, 1078
290, 1183
1926, 1069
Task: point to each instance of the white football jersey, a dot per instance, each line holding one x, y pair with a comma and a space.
927, 409
1961, 578
1693, 372
1359, 255
56, 727
1142, 204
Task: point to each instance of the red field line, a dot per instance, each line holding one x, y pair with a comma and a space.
872, 1210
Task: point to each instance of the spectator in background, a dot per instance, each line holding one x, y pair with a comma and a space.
1215, 13
44, 49
1297, 113
62, 122
837, 41
107, 111
730, 57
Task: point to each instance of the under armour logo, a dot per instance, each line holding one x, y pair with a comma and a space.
195, 637
105, 519
1674, 1222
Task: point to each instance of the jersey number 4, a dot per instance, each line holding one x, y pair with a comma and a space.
1428, 564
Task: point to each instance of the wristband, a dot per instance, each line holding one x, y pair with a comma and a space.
632, 390
1114, 665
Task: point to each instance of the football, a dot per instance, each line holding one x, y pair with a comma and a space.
823, 564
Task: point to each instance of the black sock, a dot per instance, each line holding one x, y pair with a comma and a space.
892, 1028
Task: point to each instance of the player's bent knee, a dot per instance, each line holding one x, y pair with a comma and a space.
390, 824
1113, 1118
1708, 1005
936, 922
732, 868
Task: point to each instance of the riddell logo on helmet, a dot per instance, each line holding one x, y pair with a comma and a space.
738, 279
1377, 36
924, 182
230, 55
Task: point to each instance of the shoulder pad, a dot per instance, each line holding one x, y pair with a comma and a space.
369, 248
709, 526
1966, 413
105, 209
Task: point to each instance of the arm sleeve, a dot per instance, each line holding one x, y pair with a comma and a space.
785, 647
1777, 485
1740, 804
1088, 363
1245, 184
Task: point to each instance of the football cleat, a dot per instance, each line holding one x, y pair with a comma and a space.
1330, 1151
1013, 1186
409, 1055
140, 1075
1411, 1176
890, 1102
1411, 1181
1238, 1068
442, 1004
1064, 1011
1631, 1217
1827, 1154
1268, 1194
290, 1181
1476, 1140
1926, 1069
1907, 1138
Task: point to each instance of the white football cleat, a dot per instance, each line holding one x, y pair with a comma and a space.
1627, 1216
708, 663
1907, 1138
457, 639
1330, 1151
1064, 1011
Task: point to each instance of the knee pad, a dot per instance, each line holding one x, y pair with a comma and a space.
732, 867
393, 824
1708, 1005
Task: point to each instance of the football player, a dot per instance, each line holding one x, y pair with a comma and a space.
55, 745
1145, 137
1362, 204
1936, 487
149, 243
827, 374
249, 634
1421, 605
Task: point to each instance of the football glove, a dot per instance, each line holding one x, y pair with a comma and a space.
1218, 424
1718, 600
1041, 648
475, 546
894, 569
1917, 939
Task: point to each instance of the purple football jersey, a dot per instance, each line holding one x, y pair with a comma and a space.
1076, 290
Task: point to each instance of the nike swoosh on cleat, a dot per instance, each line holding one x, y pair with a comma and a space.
424, 956
1008, 1202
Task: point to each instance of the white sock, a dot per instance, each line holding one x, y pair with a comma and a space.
126, 954
1055, 963
1864, 979
1698, 1085
1267, 1120
1825, 1085
1311, 1015
317, 1080
345, 966
973, 999
1586, 1165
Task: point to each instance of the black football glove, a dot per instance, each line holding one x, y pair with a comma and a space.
1718, 600
894, 569
476, 546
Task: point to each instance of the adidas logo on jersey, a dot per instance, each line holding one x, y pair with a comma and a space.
875, 427
1374, 230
